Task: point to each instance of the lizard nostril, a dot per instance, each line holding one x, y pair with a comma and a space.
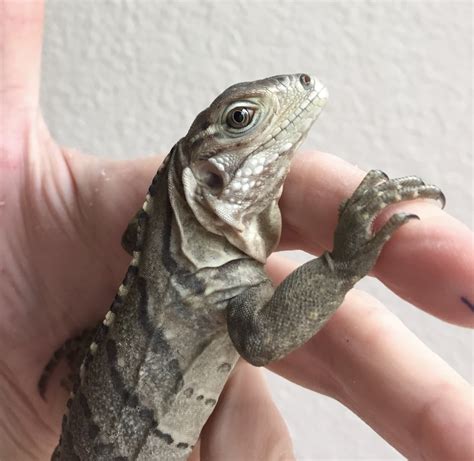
305, 80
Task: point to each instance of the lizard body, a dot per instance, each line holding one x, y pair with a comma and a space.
196, 295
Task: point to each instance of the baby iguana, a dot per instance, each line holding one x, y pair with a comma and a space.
196, 294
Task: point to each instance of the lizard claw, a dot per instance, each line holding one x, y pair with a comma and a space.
442, 199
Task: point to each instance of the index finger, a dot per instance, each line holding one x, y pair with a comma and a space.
427, 262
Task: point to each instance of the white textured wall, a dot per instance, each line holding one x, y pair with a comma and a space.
125, 78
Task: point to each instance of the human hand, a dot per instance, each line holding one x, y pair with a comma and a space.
62, 215
365, 357
62, 219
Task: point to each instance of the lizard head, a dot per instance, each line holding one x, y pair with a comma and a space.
238, 154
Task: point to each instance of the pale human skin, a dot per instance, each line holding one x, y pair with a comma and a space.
62, 262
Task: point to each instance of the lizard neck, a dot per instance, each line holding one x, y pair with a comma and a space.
258, 239
200, 245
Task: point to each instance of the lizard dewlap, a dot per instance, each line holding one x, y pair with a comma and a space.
196, 296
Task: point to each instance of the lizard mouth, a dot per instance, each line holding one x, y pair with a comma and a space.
300, 119
291, 132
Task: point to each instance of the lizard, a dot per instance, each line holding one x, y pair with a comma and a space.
196, 297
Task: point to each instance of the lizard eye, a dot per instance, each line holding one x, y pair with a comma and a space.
239, 117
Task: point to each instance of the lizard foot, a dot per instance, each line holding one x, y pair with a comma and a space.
356, 246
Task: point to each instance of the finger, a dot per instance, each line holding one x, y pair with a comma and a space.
21, 25
245, 423
428, 262
367, 359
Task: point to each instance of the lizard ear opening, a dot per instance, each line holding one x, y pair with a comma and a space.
210, 177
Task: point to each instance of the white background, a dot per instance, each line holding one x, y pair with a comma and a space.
126, 78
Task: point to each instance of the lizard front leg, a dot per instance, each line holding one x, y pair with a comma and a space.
266, 324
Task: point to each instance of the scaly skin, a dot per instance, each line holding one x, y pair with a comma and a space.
196, 293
